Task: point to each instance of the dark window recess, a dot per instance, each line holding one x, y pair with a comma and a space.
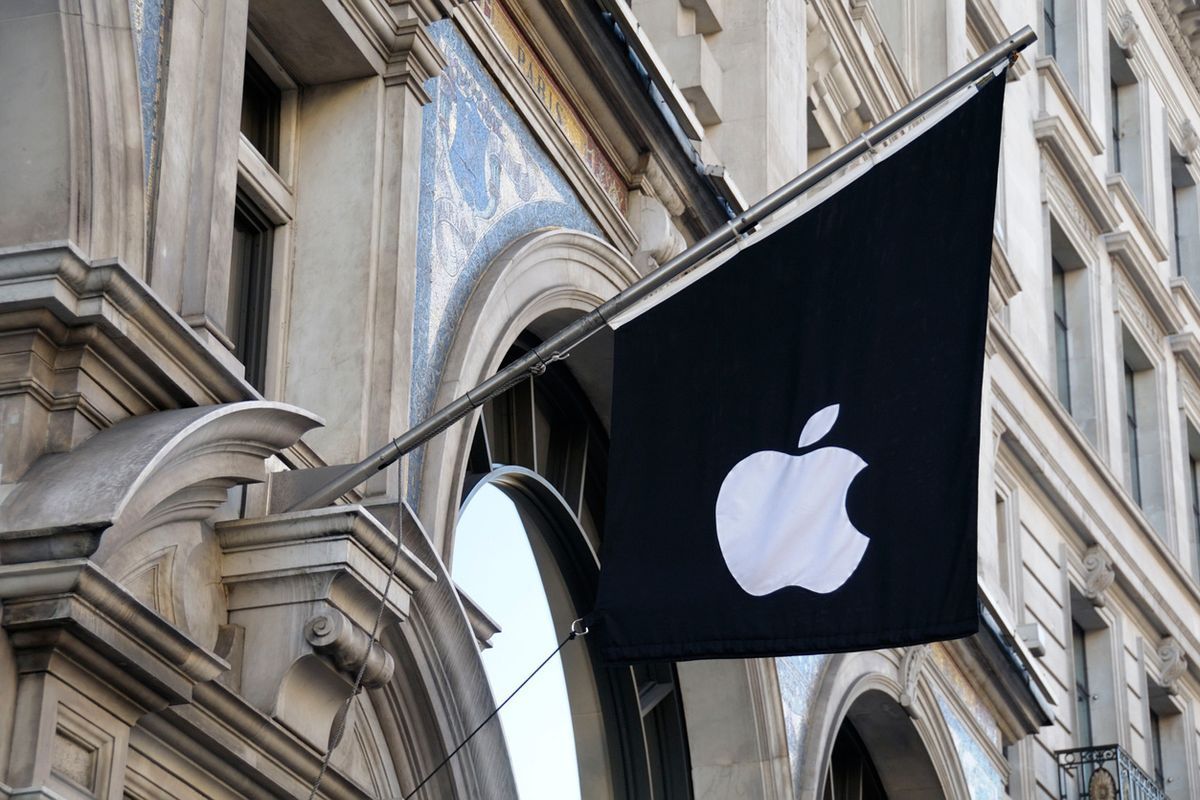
1115, 133
1156, 748
1194, 486
1062, 346
1131, 435
1083, 691
1177, 252
250, 289
260, 111
852, 774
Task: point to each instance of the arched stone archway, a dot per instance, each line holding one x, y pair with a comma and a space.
542, 281
543, 277
895, 748
909, 744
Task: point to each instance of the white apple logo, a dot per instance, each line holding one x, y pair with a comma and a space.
781, 519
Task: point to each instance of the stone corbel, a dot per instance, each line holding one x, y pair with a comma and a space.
1174, 663
1128, 33
350, 647
306, 588
1190, 141
1098, 575
658, 239
911, 664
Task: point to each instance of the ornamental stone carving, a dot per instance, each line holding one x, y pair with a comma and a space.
332, 634
1098, 575
1191, 139
303, 586
911, 665
1174, 663
1128, 32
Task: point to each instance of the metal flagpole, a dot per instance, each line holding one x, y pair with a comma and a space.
560, 344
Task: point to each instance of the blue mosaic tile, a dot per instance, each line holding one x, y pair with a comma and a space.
798, 677
485, 181
983, 779
148, 18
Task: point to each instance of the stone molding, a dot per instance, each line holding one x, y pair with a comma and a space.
1069, 174
549, 133
304, 585
544, 271
413, 59
1186, 347
1004, 280
84, 180
99, 346
1124, 197
71, 609
1141, 287
987, 24
1054, 80
911, 664
144, 471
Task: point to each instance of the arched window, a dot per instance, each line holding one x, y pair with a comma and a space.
852, 774
525, 551
878, 754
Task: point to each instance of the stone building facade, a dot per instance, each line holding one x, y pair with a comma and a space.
245, 241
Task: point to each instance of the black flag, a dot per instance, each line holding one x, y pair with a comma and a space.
795, 436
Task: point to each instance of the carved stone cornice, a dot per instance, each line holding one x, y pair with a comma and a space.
413, 59
305, 587
1098, 575
1181, 21
68, 617
102, 305
1140, 287
1079, 185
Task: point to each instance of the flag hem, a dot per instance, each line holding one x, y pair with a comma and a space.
783, 648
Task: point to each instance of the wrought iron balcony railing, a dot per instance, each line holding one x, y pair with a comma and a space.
1104, 773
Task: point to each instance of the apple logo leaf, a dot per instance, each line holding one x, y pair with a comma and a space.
818, 425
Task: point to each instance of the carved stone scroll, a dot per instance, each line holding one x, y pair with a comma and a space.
1098, 575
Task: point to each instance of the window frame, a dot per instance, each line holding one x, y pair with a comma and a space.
249, 305
1148, 479
1049, 28
542, 443
1064, 247
1062, 342
1082, 688
268, 190
1133, 451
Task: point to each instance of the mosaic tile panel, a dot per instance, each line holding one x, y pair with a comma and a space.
148, 19
798, 678
967, 693
983, 779
485, 181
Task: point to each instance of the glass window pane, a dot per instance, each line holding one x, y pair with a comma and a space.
1083, 707
1062, 347
494, 564
261, 101
1131, 435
